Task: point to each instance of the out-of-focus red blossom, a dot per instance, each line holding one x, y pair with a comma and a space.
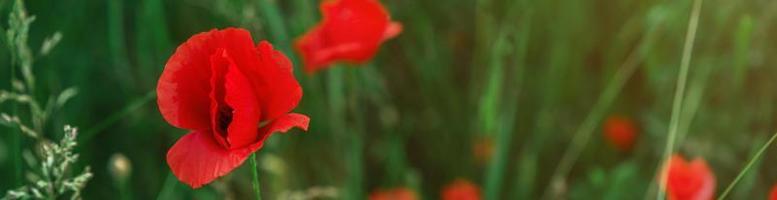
688, 180
461, 190
483, 149
351, 31
773, 193
394, 194
620, 132
221, 87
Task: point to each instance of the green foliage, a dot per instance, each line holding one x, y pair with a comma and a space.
52, 178
50, 175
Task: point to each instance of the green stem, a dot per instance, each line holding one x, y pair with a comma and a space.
255, 173
168, 188
355, 132
116, 42
583, 134
125, 192
16, 139
674, 122
747, 167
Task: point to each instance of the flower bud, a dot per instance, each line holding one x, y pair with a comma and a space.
120, 167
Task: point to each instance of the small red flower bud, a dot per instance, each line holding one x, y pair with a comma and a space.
620, 132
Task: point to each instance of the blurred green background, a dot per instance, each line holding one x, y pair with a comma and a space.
493, 91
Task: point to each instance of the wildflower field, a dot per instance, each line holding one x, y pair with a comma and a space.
388, 99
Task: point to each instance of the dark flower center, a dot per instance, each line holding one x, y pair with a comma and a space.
223, 119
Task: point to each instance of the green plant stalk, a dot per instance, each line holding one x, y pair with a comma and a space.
116, 42
274, 18
693, 101
16, 142
255, 173
523, 183
305, 13
280, 37
87, 135
496, 169
16, 139
16, 148
583, 134
494, 120
742, 45
747, 167
674, 122
338, 112
168, 188
356, 182
372, 83
356, 145
490, 101
125, 191
152, 40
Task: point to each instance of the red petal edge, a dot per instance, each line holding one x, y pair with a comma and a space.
282, 124
196, 159
183, 88
286, 122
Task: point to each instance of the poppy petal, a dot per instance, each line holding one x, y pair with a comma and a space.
689, 180
392, 30
183, 87
281, 124
461, 190
234, 105
275, 82
268, 70
350, 31
286, 122
196, 159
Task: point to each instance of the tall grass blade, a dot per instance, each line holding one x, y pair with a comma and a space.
674, 123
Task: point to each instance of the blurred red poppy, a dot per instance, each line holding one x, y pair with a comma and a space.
689, 180
394, 194
773, 193
221, 87
461, 190
620, 132
351, 31
483, 149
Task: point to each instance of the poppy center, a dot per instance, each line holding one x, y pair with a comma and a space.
223, 119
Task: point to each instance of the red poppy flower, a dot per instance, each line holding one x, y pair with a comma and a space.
620, 132
461, 190
773, 193
689, 180
351, 30
394, 194
231, 95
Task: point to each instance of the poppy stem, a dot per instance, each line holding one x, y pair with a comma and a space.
255, 173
